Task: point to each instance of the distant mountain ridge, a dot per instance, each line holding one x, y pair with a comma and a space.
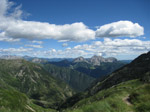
79, 59
137, 71
139, 68
10, 57
96, 66
95, 60
124, 90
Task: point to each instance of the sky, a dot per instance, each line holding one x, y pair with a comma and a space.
72, 28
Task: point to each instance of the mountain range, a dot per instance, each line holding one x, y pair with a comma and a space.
34, 81
124, 90
95, 67
51, 86
95, 60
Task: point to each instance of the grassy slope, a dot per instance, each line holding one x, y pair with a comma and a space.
14, 101
77, 80
34, 81
113, 99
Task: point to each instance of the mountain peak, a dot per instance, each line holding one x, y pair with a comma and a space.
79, 59
10, 57
96, 60
137, 69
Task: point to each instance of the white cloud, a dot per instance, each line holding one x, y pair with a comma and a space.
64, 45
144, 37
120, 29
35, 46
38, 30
121, 43
4, 6
107, 48
14, 51
37, 42
15, 27
53, 50
7, 39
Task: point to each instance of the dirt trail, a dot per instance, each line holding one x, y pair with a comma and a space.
126, 100
28, 107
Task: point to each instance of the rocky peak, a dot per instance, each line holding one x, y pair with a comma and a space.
137, 69
96, 60
79, 59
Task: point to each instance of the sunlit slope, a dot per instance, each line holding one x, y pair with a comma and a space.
130, 96
34, 81
12, 100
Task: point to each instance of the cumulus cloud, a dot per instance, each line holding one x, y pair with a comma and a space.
37, 42
116, 46
38, 30
7, 39
64, 45
35, 46
108, 47
120, 29
15, 27
14, 51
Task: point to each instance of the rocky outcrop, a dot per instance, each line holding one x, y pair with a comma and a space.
95, 60
79, 59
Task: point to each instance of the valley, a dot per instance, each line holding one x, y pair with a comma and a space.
50, 86
74, 56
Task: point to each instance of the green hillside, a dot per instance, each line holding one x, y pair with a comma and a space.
130, 96
95, 71
28, 87
15, 101
125, 90
77, 80
34, 81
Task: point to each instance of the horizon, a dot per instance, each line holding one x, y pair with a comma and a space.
21, 56
69, 29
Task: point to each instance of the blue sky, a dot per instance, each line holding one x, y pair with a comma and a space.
72, 28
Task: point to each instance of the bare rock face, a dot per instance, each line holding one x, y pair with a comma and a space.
80, 59
137, 69
95, 60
